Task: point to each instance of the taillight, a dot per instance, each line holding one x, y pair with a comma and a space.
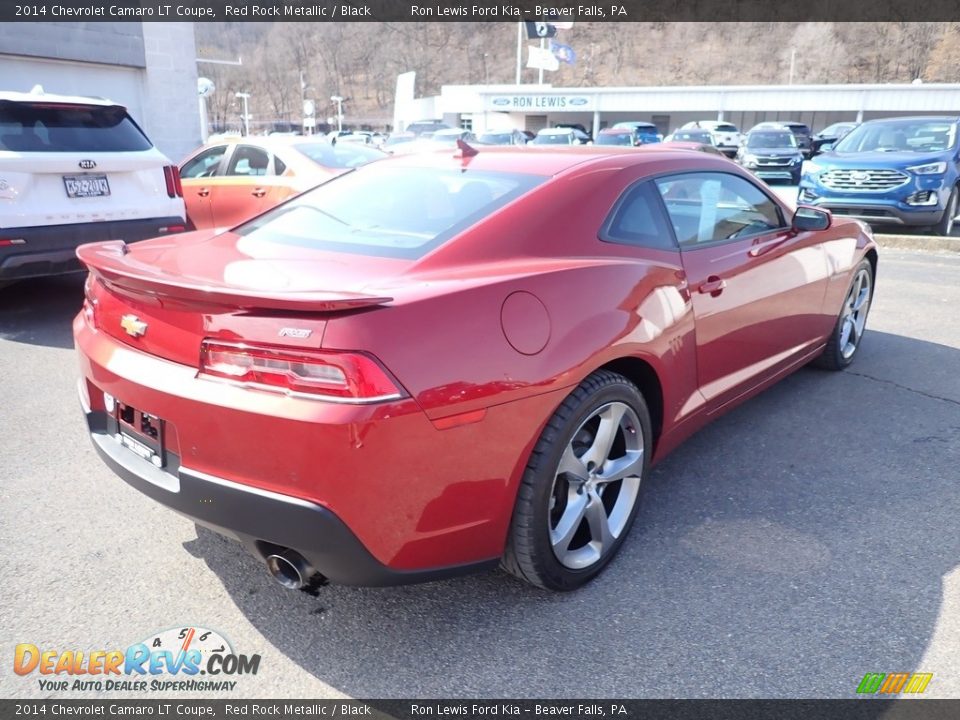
330, 374
171, 174
89, 301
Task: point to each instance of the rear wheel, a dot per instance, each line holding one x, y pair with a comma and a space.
580, 491
945, 226
848, 332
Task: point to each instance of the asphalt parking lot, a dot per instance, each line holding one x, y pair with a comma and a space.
799, 542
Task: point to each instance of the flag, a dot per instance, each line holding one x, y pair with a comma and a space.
542, 59
563, 53
537, 30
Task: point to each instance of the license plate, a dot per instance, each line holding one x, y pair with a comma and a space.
139, 432
81, 186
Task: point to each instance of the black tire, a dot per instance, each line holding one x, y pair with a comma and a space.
837, 354
945, 226
529, 553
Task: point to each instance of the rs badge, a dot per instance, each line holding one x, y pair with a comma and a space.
133, 325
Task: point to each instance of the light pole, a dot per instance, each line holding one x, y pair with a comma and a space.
246, 115
339, 101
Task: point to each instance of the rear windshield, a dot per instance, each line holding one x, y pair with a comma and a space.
721, 127
699, 136
614, 139
341, 155
388, 211
49, 127
558, 139
496, 138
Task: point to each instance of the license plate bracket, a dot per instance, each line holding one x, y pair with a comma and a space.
140, 432
86, 186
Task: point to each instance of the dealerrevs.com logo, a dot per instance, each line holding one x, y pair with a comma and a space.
185, 659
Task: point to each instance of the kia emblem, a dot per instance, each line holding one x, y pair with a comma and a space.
87, 164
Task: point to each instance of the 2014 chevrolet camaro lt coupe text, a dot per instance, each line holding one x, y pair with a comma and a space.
440, 362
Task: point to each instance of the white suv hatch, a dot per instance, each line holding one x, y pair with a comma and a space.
73, 170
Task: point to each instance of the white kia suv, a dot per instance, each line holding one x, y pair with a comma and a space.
75, 170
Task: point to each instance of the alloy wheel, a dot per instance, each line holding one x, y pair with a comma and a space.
853, 319
595, 485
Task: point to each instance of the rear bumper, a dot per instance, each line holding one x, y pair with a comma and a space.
368, 494
265, 522
50, 249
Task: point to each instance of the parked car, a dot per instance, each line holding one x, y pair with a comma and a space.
830, 135
646, 132
701, 137
427, 367
229, 181
441, 139
397, 138
726, 136
895, 172
772, 154
683, 145
366, 137
503, 137
800, 131
76, 170
560, 136
427, 126
578, 127
618, 136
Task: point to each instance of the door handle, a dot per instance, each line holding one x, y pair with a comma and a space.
203, 192
713, 286
259, 192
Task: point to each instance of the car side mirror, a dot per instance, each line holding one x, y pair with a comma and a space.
826, 147
807, 219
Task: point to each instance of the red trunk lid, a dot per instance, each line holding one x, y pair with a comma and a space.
165, 296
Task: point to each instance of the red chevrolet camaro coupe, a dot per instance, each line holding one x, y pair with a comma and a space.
437, 363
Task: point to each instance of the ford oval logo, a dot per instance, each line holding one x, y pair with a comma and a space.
87, 164
578, 101
501, 101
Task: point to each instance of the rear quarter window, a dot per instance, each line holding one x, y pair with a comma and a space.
55, 127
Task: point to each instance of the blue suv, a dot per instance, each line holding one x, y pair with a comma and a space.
900, 171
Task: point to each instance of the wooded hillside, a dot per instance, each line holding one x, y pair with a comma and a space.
360, 61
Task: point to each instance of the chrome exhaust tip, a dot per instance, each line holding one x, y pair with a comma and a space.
290, 569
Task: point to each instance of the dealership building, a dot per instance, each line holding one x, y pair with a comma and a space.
150, 67
532, 107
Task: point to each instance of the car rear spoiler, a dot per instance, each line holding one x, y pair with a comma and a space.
111, 264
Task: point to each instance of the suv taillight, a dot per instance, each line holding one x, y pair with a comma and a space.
331, 374
171, 173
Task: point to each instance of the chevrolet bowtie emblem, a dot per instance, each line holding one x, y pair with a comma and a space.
133, 325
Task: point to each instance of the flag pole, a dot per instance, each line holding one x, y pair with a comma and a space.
519, 50
543, 45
